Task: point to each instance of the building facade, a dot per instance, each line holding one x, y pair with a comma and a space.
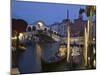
76, 28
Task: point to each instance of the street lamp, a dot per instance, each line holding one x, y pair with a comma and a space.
20, 36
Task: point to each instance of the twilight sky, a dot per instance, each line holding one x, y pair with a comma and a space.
47, 12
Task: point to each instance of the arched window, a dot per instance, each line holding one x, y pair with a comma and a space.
33, 28
45, 29
29, 29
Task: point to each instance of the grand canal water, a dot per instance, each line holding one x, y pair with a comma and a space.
30, 60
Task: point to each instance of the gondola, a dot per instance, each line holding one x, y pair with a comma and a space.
47, 66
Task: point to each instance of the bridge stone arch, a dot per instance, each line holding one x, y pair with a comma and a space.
29, 28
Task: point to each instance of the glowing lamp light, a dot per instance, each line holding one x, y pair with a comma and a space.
14, 38
94, 50
40, 24
94, 63
20, 36
93, 39
89, 58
